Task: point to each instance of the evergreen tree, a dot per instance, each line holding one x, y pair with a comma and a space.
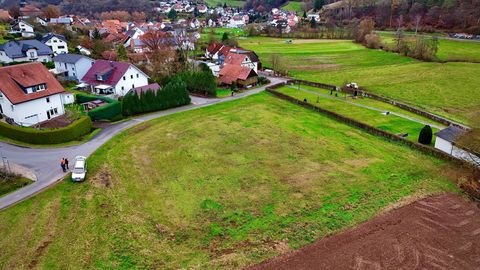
318, 4
121, 52
196, 13
172, 14
426, 135
96, 34
225, 37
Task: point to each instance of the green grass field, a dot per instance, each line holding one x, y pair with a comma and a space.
222, 92
220, 187
364, 110
230, 3
9, 185
447, 89
448, 50
293, 6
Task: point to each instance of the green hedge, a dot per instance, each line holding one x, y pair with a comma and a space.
71, 132
111, 111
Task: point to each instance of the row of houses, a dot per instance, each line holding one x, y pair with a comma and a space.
30, 50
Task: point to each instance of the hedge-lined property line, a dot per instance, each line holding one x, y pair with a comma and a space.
74, 131
370, 129
111, 111
401, 105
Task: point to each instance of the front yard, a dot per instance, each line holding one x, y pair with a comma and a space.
221, 187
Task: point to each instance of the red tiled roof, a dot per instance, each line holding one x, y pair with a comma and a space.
153, 87
117, 69
231, 73
224, 50
235, 58
214, 47
26, 75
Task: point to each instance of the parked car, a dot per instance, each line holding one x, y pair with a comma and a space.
79, 169
352, 85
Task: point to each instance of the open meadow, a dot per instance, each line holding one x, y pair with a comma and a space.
447, 89
220, 187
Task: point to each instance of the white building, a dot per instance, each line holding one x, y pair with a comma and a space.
114, 78
83, 50
445, 141
72, 66
25, 51
24, 28
57, 43
30, 94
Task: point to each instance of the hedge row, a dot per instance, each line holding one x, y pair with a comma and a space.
71, 132
111, 111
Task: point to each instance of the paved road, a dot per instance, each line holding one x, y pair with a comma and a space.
45, 162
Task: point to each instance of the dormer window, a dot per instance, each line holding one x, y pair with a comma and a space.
99, 77
39, 87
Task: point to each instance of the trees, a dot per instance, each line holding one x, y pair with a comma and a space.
155, 40
426, 135
200, 82
318, 4
365, 27
277, 63
172, 14
51, 11
139, 16
121, 53
196, 13
225, 37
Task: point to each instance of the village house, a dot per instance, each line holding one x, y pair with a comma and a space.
57, 43
241, 76
72, 66
114, 78
30, 94
238, 59
25, 51
28, 11
23, 28
83, 50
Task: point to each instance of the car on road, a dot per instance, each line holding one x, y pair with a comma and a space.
79, 169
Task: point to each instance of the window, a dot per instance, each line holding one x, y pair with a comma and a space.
124, 78
12, 107
133, 85
123, 88
54, 41
65, 65
32, 54
55, 110
61, 47
131, 76
48, 100
137, 75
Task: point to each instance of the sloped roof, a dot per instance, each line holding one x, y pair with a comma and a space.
69, 58
116, 70
18, 48
214, 47
450, 134
235, 58
30, 74
231, 73
153, 87
224, 50
48, 36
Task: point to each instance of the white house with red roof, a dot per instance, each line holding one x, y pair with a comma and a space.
114, 78
234, 58
30, 94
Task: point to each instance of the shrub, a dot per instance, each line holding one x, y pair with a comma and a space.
202, 82
71, 132
107, 112
174, 94
263, 80
426, 135
372, 41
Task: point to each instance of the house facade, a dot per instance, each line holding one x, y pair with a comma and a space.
57, 43
25, 51
114, 78
30, 94
24, 28
72, 66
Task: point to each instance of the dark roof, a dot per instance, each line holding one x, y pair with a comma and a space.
15, 77
112, 72
450, 134
48, 36
18, 48
69, 58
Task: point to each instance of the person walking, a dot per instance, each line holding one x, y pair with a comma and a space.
62, 164
66, 163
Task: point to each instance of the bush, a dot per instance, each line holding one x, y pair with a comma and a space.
263, 80
107, 112
174, 94
373, 41
71, 132
200, 82
426, 135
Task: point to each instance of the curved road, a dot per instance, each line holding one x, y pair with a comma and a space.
45, 162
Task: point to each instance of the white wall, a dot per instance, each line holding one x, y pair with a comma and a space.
57, 45
32, 112
443, 145
123, 86
41, 58
74, 71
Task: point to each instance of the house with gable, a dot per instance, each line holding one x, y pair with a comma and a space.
56, 42
114, 78
30, 94
234, 58
72, 66
25, 51
23, 28
239, 75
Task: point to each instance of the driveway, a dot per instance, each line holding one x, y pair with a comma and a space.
45, 162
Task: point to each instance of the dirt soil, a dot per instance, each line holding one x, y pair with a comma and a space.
440, 232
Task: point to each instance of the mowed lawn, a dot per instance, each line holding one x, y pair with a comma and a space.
230, 3
447, 89
293, 6
220, 187
365, 110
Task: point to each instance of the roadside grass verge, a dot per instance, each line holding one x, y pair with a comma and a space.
220, 187
447, 89
12, 184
